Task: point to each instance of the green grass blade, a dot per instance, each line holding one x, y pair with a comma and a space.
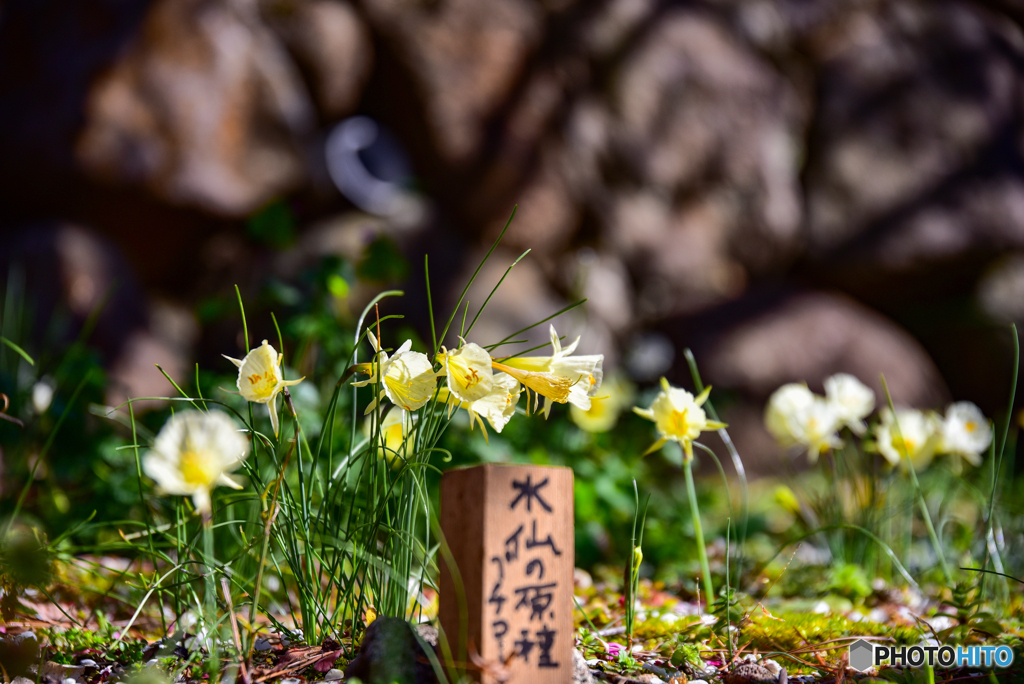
21, 352
245, 328
430, 302
494, 346
462, 297
493, 290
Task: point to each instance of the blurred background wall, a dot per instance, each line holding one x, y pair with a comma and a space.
789, 187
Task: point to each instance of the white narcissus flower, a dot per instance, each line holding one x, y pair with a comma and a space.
409, 377
908, 433
499, 406
193, 453
852, 400
796, 415
585, 372
782, 414
260, 379
816, 427
965, 432
678, 417
469, 372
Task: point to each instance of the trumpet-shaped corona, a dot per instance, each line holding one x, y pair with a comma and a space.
548, 385
965, 432
497, 408
409, 378
851, 399
193, 453
908, 433
468, 368
585, 373
260, 379
795, 415
678, 417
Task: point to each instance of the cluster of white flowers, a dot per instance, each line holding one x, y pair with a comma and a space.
797, 416
919, 436
488, 389
195, 449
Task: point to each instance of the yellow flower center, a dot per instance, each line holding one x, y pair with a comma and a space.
677, 424
465, 376
908, 445
198, 468
401, 391
970, 426
264, 385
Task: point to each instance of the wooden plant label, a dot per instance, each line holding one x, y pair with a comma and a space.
510, 530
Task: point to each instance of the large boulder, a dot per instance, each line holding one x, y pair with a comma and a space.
205, 108
915, 152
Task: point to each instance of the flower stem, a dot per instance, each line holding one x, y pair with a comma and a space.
210, 594
917, 490
699, 531
928, 524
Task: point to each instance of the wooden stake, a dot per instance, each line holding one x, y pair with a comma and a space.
510, 531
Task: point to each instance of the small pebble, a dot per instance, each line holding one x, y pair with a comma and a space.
263, 644
698, 681
87, 662
333, 675
25, 636
70, 680
290, 680
878, 615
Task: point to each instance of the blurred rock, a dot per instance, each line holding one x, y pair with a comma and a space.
680, 258
604, 281
915, 100
712, 131
580, 672
329, 40
70, 269
205, 108
523, 299
465, 56
808, 337
1001, 290
689, 168
168, 341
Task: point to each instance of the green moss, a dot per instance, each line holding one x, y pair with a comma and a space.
789, 632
